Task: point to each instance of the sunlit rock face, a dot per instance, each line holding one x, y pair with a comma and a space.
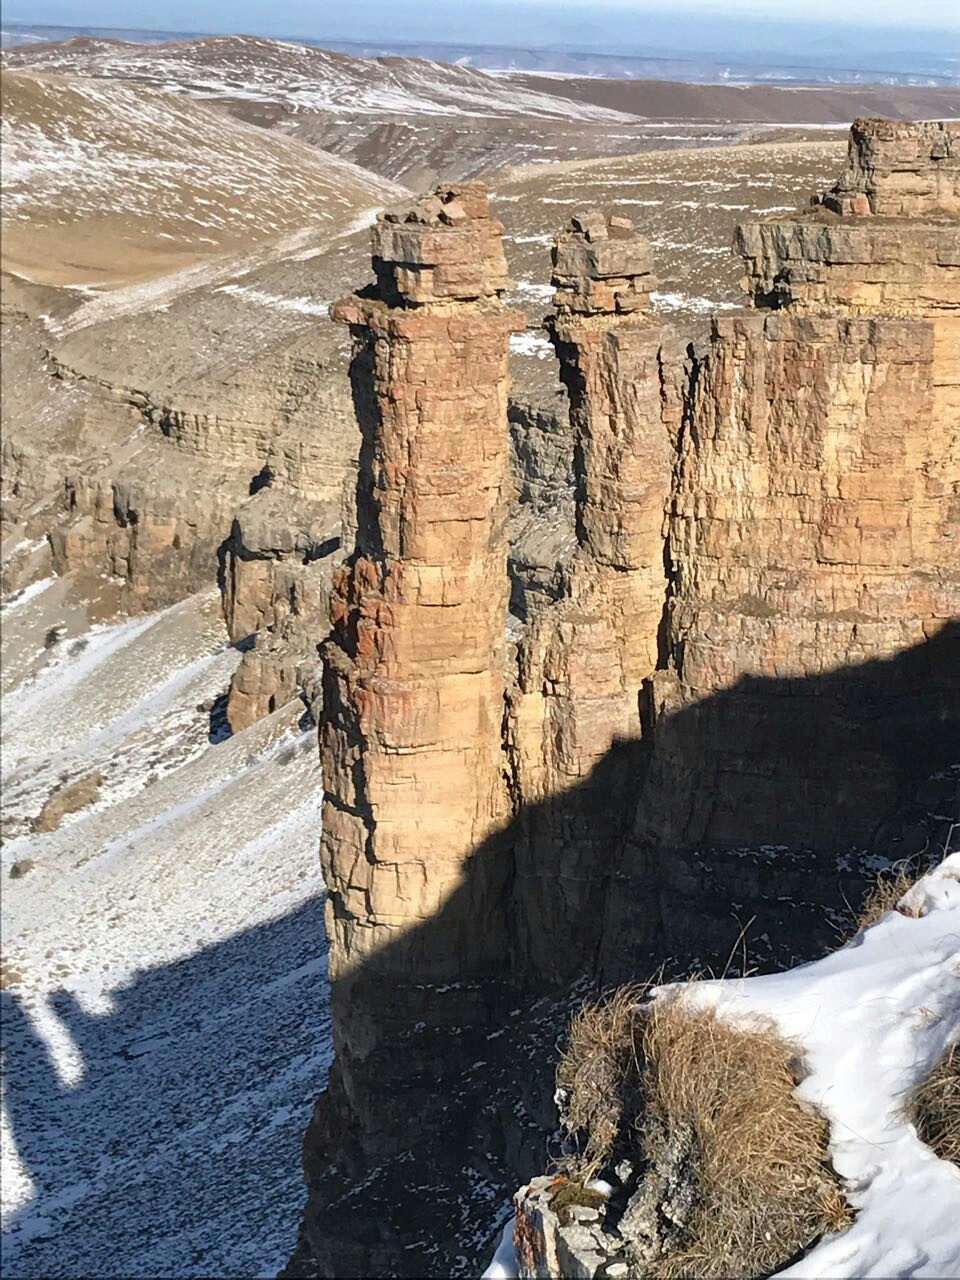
414, 683
727, 707
813, 532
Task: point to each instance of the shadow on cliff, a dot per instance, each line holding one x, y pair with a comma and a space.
172, 1148
763, 807
174, 1152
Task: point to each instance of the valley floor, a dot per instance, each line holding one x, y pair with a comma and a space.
164, 974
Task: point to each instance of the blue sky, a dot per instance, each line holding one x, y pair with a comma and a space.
569, 22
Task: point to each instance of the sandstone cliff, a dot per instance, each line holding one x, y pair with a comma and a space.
581, 665
414, 671
142, 495
727, 703
813, 527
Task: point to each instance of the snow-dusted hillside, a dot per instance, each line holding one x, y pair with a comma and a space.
304, 78
107, 182
164, 975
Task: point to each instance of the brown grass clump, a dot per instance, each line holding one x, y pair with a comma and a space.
599, 1074
886, 894
734, 1178
765, 1189
935, 1106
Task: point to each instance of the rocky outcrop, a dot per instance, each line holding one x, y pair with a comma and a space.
154, 538
883, 240
582, 665
565, 1241
718, 711
898, 168
277, 573
813, 532
69, 797
143, 497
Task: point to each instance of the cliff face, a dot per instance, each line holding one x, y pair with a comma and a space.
733, 701
414, 670
582, 664
813, 527
142, 496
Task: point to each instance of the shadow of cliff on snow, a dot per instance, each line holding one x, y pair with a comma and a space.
764, 805
177, 1150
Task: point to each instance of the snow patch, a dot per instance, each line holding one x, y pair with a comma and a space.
673, 301
306, 306
530, 289
17, 599
530, 344
873, 1019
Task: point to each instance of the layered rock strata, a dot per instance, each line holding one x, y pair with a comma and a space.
813, 544
414, 671
727, 707
140, 497
899, 168
582, 665
414, 681
276, 580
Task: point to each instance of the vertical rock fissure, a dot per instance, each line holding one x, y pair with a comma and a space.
584, 663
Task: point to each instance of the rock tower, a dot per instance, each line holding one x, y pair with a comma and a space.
747, 689
577, 709
415, 673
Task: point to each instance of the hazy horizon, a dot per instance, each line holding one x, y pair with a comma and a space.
616, 26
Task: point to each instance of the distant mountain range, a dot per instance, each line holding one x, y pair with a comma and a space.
827, 59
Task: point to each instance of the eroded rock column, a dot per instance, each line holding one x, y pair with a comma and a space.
414, 677
416, 799
578, 715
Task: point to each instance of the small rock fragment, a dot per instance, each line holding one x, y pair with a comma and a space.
67, 798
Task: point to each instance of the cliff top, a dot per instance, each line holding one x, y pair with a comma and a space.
446, 248
602, 266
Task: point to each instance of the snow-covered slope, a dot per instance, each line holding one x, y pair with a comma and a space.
871, 1021
106, 182
164, 975
304, 78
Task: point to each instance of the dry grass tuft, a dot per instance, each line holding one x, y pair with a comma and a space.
599, 1075
886, 894
765, 1189
935, 1106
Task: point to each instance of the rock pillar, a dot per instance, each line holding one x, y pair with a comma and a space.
414, 674
624, 410
413, 705
583, 665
